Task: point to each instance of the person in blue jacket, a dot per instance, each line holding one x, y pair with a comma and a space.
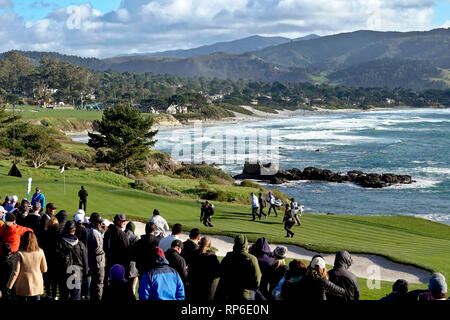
162, 282
38, 197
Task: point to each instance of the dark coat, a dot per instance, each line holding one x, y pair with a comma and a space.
83, 194
340, 276
316, 289
177, 262
204, 269
49, 243
270, 279
116, 247
33, 221
140, 252
239, 273
7, 266
189, 247
118, 291
82, 233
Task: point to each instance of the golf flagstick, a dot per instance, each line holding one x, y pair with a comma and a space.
64, 178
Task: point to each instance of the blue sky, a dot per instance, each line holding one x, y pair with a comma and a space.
104, 28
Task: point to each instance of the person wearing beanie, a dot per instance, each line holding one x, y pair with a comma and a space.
96, 257
118, 289
11, 233
399, 291
341, 276
38, 197
162, 282
162, 228
11, 206
239, 273
72, 256
437, 288
81, 230
272, 275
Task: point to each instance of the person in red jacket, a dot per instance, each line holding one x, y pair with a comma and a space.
11, 233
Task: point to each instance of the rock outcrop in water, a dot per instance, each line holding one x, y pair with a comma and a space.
366, 180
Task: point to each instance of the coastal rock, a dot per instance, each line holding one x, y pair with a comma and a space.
365, 180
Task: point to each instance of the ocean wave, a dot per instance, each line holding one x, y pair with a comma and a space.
439, 217
434, 170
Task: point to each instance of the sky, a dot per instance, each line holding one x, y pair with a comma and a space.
105, 28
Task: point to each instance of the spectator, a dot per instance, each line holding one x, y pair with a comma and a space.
49, 241
49, 212
340, 275
289, 221
118, 289
11, 206
72, 263
31, 263
132, 270
315, 286
3, 212
7, 266
96, 257
261, 250
272, 275
82, 194
162, 282
33, 220
255, 206
162, 228
190, 245
287, 286
239, 273
176, 261
399, 291
11, 233
116, 245
38, 197
81, 230
22, 212
62, 219
166, 242
141, 250
204, 269
437, 289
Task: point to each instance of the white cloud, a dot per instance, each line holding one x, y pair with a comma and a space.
152, 25
446, 24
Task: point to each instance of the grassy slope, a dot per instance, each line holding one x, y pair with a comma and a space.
404, 239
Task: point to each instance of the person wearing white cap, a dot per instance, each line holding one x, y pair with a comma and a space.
2, 215
315, 285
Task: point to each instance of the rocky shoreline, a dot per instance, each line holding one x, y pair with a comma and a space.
365, 180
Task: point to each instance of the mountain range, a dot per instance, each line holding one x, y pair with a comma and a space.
416, 60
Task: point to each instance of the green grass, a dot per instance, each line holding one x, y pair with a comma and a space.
403, 239
265, 109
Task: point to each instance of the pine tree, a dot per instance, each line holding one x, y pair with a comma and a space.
124, 138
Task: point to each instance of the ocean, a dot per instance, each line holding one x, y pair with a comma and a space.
406, 141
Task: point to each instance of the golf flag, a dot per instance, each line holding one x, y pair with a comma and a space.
29, 188
62, 169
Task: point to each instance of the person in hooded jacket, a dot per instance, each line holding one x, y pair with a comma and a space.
261, 250
118, 289
341, 276
239, 273
272, 275
72, 263
140, 251
162, 282
204, 269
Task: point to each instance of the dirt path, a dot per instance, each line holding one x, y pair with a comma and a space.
364, 265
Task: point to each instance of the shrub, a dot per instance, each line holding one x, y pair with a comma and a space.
251, 184
203, 171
